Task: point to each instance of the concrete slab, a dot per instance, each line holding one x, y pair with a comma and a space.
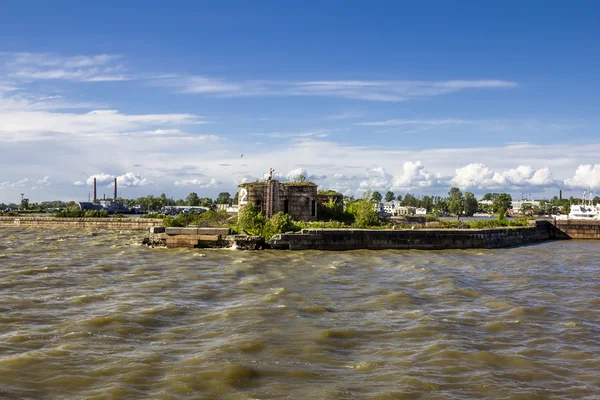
157, 229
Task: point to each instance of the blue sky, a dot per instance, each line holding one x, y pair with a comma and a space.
392, 95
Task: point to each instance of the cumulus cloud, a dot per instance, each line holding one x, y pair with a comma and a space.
9, 184
100, 178
78, 183
198, 183
377, 179
414, 175
586, 177
45, 181
479, 176
128, 179
293, 174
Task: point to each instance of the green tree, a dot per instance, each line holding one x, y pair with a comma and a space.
363, 212
224, 198
376, 196
527, 209
410, 201
236, 198
25, 204
389, 196
251, 219
455, 202
399, 198
192, 199
502, 203
470, 204
278, 223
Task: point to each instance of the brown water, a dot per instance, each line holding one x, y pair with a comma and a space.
87, 316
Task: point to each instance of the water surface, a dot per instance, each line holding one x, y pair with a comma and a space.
97, 316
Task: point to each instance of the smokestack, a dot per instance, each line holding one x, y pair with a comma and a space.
560, 194
115, 188
94, 189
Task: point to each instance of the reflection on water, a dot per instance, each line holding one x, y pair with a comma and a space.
97, 316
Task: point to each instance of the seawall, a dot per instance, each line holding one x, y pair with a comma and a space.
132, 224
577, 229
418, 239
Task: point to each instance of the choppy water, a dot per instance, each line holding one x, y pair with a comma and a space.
99, 317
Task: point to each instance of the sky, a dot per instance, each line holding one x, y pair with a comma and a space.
194, 96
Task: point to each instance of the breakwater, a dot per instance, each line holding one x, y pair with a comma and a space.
418, 239
133, 224
577, 229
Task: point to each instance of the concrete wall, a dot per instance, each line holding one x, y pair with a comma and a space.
578, 229
420, 239
137, 224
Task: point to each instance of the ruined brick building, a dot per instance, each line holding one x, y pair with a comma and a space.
298, 199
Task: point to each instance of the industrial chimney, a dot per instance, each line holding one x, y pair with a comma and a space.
115, 188
94, 189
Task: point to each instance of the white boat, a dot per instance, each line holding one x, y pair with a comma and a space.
586, 211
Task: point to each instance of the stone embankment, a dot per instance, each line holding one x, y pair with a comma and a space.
125, 224
418, 239
572, 229
202, 238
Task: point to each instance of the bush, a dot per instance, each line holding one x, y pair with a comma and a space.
321, 225
363, 213
96, 214
251, 219
69, 213
279, 223
155, 216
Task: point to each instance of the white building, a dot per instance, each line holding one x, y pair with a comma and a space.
394, 209
517, 204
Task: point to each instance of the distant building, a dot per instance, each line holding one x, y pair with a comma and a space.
421, 211
393, 209
517, 204
110, 206
298, 199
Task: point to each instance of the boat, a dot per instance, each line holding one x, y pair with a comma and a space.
586, 211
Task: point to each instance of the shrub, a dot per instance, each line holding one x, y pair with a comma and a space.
279, 223
69, 213
251, 219
158, 216
96, 214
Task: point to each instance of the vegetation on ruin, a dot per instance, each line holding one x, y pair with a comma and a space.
208, 218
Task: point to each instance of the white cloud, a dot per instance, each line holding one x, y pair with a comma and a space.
294, 173
586, 177
198, 183
319, 133
479, 176
78, 183
100, 178
45, 181
130, 179
377, 179
15, 184
414, 175
44, 66
387, 91
399, 122
34, 125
